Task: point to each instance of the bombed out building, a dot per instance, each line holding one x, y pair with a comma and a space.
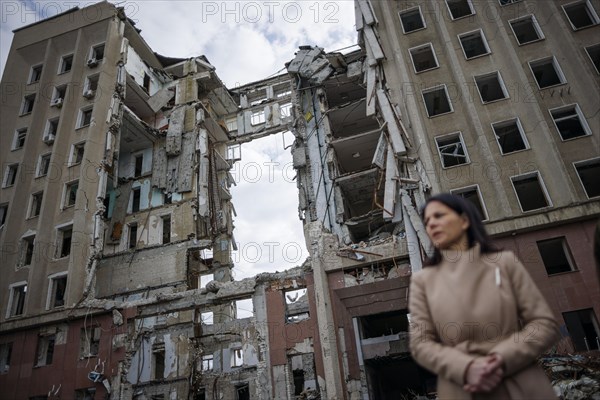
117, 218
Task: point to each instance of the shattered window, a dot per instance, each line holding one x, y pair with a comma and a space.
71, 193
412, 20
452, 150
510, 136
589, 173
594, 54
581, 14
437, 101
244, 308
89, 341
43, 164
491, 87
45, 350
242, 391
296, 305
530, 191
570, 122
207, 318
473, 195
58, 288
474, 44
547, 72
27, 245
36, 204
286, 110
16, 302
556, 255
237, 357
5, 353
66, 63
28, 102
10, 176
526, 29
35, 74
19, 139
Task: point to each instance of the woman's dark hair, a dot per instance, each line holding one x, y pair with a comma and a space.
475, 232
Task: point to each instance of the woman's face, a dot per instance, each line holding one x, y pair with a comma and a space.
445, 227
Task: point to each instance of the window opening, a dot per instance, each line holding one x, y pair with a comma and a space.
132, 235
583, 329
423, 58
437, 101
20, 136
581, 14
547, 72
58, 289
594, 53
474, 44
510, 136
530, 192
491, 87
460, 8
412, 20
589, 175
556, 255
136, 198
473, 195
452, 150
36, 74
36, 204
526, 29
45, 350
166, 229
66, 63
569, 122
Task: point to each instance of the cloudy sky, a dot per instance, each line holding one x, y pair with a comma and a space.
246, 41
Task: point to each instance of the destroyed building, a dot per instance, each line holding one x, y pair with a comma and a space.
117, 218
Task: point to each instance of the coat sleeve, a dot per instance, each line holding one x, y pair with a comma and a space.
540, 330
425, 346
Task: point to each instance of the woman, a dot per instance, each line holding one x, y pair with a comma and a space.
477, 319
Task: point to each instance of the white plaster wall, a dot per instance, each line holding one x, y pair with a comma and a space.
136, 68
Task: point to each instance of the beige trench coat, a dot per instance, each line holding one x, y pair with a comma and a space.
469, 306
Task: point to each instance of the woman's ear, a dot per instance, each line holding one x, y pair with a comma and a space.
466, 223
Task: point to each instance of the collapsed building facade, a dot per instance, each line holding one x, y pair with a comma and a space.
117, 273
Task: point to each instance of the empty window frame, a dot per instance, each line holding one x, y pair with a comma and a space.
491, 87
452, 150
556, 255
43, 165
135, 199
423, 58
85, 117
412, 20
51, 128
3, 213
570, 122
166, 228
58, 96
26, 250
35, 204
5, 355
76, 156
581, 14
28, 102
526, 29
132, 237
510, 136
16, 299
547, 72
70, 196
437, 101
66, 63
589, 175
57, 289
204, 279
244, 308
237, 357
96, 53
593, 53
89, 341
530, 191
460, 8
583, 328
285, 110
296, 305
19, 139
158, 361
91, 86
10, 175
474, 44
257, 117
207, 318
473, 195
207, 362
64, 241
35, 74
45, 350
507, 2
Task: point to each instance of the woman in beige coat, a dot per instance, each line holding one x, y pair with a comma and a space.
478, 320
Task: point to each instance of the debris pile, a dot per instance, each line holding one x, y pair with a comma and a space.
574, 377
